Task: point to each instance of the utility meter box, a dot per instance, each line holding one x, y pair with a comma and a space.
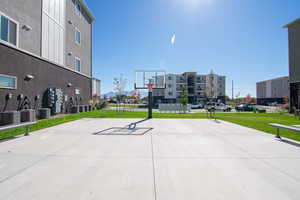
55, 100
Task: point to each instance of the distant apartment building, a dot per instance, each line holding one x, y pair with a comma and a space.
96, 88
44, 44
272, 91
200, 88
294, 62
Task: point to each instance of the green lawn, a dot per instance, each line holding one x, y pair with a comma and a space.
252, 120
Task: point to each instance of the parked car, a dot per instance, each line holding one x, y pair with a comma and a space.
244, 107
196, 106
210, 105
222, 107
273, 104
218, 107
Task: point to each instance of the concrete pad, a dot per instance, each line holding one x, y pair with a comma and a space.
82, 178
178, 159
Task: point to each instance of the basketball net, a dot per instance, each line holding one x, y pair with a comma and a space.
150, 86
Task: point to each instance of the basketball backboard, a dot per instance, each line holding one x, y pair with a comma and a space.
156, 79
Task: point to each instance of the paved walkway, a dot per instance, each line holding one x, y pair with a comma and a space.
177, 160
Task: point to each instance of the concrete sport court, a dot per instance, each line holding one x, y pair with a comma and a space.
163, 159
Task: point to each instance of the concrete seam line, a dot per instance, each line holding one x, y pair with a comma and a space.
251, 156
38, 161
153, 169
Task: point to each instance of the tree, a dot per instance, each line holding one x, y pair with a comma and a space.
119, 87
286, 99
227, 98
119, 84
249, 99
210, 87
121, 97
184, 97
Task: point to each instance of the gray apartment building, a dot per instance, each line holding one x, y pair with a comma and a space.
45, 45
273, 90
294, 62
200, 88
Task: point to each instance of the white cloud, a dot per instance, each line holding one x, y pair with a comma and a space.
173, 39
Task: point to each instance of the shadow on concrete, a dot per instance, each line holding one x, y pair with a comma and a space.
8, 139
129, 129
290, 142
124, 131
217, 121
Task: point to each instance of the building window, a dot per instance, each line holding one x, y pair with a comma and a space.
78, 8
77, 65
8, 30
77, 36
9, 82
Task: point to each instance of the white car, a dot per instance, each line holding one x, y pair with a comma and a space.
218, 106
222, 107
196, 106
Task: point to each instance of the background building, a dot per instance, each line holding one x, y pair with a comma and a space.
271, 91
96, 88
294, 63
44, 44
200, 88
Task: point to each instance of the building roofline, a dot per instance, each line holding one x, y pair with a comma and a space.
296, 21
94, 78
282, 77
86, 8
198, 74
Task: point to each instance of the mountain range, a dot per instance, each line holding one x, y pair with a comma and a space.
128, 93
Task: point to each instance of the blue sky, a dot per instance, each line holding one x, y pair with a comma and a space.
241, 39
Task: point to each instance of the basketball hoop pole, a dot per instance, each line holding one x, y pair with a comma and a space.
150, 102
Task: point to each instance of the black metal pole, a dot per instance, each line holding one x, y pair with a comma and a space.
150, 102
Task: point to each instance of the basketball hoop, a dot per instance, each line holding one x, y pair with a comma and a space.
145, 77
150, 79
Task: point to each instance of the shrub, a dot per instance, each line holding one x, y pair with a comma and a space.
100, 105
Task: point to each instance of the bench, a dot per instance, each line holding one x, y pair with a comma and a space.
280, 126
25, 125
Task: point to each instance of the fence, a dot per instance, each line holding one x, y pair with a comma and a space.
164, 107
